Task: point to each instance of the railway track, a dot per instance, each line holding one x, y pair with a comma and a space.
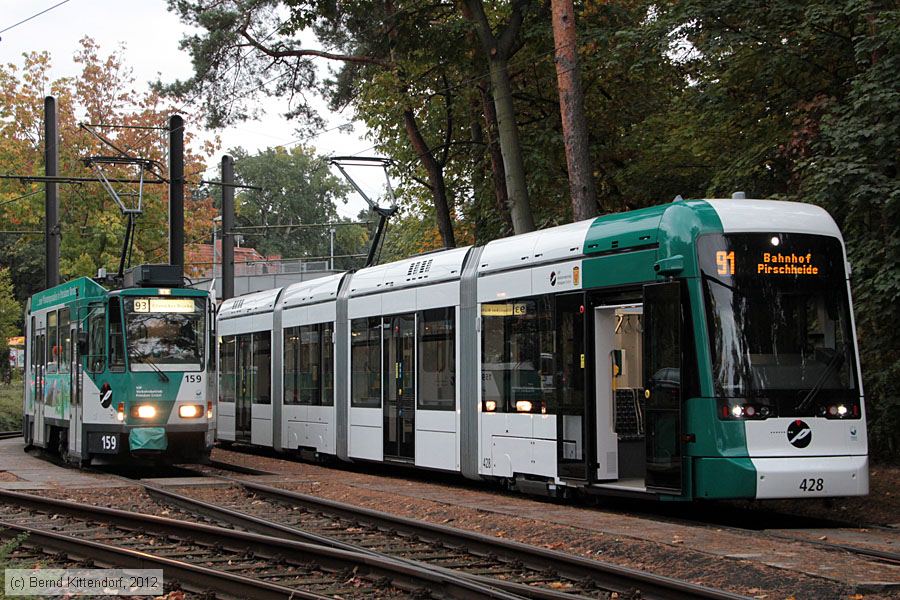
8, 435
515, 568
233, 564
879, 555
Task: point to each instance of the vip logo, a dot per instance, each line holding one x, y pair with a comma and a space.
552, 278
105, 396
799, 434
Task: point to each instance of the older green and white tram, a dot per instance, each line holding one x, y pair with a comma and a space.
699, 349
119, 375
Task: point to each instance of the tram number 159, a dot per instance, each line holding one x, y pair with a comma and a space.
103, 443
812, 484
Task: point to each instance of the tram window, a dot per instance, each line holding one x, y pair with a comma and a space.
39, 350
116, 336
262, 362
291, 348
32, 346
365, 362
227, 373
515, 337
309, 365
437, 359
327, 398
52, 342
65, 341
97, 340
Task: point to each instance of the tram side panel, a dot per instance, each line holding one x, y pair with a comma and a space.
364, 374
438, 400
308, 404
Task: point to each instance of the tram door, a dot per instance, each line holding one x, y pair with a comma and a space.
569, 384
246, 387
399, 386
662, 377
75, 406
39, 364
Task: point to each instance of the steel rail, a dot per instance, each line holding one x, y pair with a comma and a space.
8, 435
195, 577
273, 528
402, 574
606, 575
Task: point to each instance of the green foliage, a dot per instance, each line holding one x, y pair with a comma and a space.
11, 405
852, 171
10, 309
92, 227
788, 99
10, 317
299, 189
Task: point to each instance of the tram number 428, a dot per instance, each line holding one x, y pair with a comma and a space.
812, 484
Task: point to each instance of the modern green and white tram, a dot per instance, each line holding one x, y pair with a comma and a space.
698, 349
119, 375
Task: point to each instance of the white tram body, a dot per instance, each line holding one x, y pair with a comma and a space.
544, 360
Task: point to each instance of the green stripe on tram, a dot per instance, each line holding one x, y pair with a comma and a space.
621, 249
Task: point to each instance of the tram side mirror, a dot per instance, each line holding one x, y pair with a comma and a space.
669, 266
82, 342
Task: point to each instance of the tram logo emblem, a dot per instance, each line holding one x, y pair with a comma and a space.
105, 396
799, 434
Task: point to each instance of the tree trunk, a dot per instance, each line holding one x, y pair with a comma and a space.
511, 148
435, 178
571, 108
497, 171
498, 49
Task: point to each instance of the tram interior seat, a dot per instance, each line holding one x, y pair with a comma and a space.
630, 429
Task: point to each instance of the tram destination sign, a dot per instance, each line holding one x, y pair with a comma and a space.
164, 305
767, 263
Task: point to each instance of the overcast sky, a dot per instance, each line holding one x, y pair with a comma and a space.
151, 35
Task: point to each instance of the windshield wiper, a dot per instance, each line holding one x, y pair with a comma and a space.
145, 359
834, 363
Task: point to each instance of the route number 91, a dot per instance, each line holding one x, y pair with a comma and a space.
812, 484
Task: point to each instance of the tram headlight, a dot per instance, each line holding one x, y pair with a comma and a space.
839, 411
190, 411
524, 405
146, 411
490, 405
209, 409
745, 411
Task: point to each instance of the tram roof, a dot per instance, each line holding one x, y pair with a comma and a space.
433, 267
312, 291
64, 293
257, 302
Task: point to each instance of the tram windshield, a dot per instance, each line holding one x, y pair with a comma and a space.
779, 321
165, 330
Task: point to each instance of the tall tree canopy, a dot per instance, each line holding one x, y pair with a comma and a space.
298, 196
789, 99
92, 227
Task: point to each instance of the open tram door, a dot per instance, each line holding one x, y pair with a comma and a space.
662, 380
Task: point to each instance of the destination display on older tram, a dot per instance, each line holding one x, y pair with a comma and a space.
164, 305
